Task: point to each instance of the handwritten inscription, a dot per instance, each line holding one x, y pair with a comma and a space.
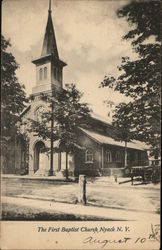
155, 232
153, 236
103, 243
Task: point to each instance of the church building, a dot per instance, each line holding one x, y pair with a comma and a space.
100, 153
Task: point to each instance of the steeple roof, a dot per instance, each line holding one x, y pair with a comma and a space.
49, 43
49, 48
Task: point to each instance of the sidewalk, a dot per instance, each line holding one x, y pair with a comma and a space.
126, 182
105, 180
82, 210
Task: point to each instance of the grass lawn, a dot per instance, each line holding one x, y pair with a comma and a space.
24, 213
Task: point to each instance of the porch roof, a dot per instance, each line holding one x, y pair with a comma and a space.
102, 139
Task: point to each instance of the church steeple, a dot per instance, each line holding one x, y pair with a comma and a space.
49, 67
49, 43
49, 10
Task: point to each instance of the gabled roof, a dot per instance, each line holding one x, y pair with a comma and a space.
25, 110
101, 118
103, 139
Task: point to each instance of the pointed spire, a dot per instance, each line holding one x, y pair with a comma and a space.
49, 6
49, 43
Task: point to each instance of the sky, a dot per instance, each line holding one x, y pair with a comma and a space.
89, 39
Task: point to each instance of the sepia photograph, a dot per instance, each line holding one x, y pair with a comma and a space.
80, 124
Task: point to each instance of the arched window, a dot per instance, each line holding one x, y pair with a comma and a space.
118, 156
89, 155
45, 72
108, 156
40, 74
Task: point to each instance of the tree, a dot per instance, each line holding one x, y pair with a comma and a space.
13, 96
122, 122
140, 78
61, 120
71, 113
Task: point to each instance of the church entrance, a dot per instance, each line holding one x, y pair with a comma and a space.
40, 157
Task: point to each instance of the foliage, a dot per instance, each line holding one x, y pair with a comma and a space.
122, 120
65, 108
70, 114
13, 96
60, 120
145, 16
140, 78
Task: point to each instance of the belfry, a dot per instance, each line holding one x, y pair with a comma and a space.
49, 67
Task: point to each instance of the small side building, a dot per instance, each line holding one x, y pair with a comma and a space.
104, 155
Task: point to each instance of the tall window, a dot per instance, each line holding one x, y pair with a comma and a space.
45, 72
108, 156
118, 156
40, 74
89, 155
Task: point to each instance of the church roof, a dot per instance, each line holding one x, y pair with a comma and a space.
101, 118
103, 139
49, 43
49, 48
26, 109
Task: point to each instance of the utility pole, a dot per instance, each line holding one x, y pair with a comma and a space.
82, 189
51, 155
125, 160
